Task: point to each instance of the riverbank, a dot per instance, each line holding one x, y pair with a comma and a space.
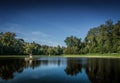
110, 55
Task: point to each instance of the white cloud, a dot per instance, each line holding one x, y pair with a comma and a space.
49, 42
38, 33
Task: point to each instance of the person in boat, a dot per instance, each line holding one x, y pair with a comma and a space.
30, 56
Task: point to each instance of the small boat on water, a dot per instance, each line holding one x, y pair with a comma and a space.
30, 57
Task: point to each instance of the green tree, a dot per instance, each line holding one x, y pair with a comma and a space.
102, 38
31, 48
116, 37
9, 44
73, 45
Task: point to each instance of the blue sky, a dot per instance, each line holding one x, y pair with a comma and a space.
51, 21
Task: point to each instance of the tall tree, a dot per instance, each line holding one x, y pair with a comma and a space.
10, 44
73, 45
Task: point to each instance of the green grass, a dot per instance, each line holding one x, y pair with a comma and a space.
108, 55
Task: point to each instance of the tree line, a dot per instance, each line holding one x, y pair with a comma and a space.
102, 39
10, 45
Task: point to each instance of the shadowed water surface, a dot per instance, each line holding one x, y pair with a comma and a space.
59, 70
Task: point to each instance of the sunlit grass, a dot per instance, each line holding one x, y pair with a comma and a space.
108, 55
73, 55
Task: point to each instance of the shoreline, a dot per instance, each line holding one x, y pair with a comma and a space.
66, 56
92, 56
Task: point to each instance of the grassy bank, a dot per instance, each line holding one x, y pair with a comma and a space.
110, 55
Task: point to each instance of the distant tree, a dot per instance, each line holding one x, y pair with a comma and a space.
32, 48
116, 37
103, 39
73, 45
9, 44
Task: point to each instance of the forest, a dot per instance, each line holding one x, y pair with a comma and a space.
102, 39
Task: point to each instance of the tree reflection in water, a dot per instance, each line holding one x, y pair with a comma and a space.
73, 66
97, 70
9, 66
103, 70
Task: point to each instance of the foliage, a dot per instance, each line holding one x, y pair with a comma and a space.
12, 46
74, 45
102, 39
9, 44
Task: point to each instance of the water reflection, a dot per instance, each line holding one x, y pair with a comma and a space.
9, 66
74, 66
92, 70
97, 70
103, 70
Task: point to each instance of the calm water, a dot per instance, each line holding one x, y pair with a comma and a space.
59, 70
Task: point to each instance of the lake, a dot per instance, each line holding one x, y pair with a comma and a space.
59, 70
